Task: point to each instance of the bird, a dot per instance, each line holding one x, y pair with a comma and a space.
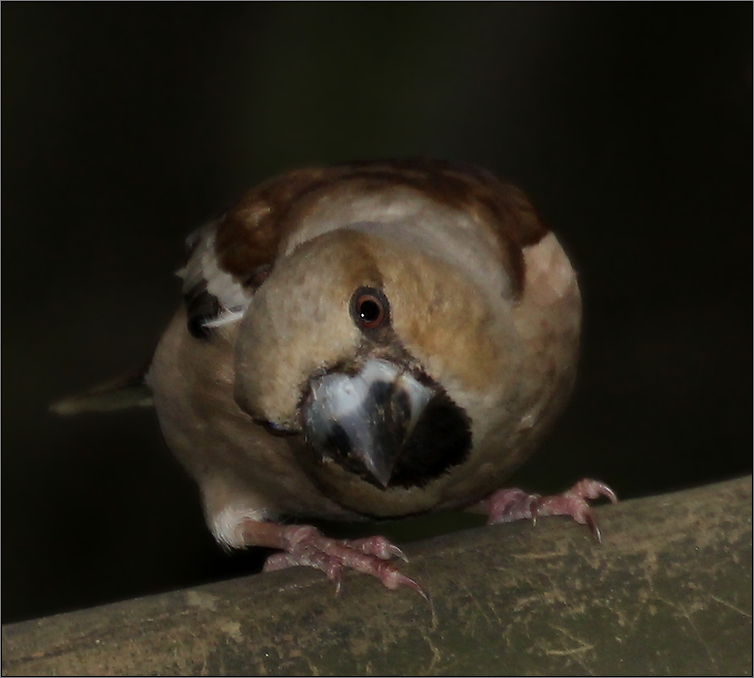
365, 341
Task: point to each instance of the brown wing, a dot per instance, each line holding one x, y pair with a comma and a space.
230, 258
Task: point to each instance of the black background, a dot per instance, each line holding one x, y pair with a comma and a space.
124, 126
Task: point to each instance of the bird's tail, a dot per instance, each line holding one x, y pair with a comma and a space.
123, 393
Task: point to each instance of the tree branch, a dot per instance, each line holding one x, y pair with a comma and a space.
668, 592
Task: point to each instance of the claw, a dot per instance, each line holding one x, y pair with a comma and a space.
513, 504
377, 546
593, 527
305, 545
397, 553
403, 580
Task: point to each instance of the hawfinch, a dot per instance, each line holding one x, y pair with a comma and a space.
365, 341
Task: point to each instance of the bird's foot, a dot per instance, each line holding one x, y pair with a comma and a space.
305, 545
507, 505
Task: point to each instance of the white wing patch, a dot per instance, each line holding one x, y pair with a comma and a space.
217, 296
226, 317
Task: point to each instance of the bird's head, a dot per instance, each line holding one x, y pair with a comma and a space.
376, 358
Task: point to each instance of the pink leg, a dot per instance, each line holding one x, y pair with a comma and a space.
505, 506
305, 545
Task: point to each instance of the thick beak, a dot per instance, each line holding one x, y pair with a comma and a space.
362, 421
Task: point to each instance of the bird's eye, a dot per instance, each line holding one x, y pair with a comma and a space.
369, 308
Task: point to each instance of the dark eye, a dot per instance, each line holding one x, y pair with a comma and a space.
369, 308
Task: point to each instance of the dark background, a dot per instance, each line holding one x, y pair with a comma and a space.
124, 126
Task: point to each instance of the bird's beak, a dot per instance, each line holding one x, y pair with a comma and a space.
363, 420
